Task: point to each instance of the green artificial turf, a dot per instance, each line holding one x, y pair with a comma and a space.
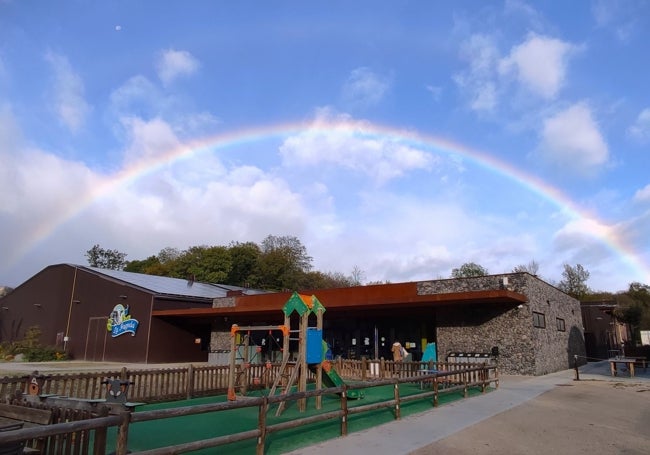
166, 432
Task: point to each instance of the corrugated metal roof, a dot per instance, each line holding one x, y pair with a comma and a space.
163, 285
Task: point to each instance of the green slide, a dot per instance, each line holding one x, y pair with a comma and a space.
331, 378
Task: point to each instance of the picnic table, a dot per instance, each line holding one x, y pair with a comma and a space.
627, 361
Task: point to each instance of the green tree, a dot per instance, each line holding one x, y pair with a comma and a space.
282, 264
468, 270
209, 264
146, 266
634, 307
574, 281
105, 259
245, 257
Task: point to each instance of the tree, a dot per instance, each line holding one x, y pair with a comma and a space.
245, 257
468, 270
149, 266
209, 264
282, 264
574, 281
105, 259
5, 290
634, 307
358, 276
532, 267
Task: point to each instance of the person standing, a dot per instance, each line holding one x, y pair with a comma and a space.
398, 351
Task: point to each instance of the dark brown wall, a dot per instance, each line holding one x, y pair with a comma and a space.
89, 337
80, 307
170, 343
51, 289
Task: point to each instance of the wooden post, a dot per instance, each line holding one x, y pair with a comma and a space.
190, 382
261, 423
319, 369
233, 366
382, 367
364, 366
465, 389
435, 391
245, 371
302, 360
484, 375
398, 411
99, 444
344, 408
124, 374
123, 434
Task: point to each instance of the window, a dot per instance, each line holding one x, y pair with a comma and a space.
560, 324
539, 320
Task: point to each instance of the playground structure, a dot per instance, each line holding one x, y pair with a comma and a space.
310, 356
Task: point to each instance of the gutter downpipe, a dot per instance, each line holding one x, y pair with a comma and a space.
67, 328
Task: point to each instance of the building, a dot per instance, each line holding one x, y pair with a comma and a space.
533, 327
106, 315
605, 335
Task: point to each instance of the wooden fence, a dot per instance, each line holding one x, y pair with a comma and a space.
454, 378
168, 384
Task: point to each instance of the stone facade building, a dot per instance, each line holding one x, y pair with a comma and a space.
536, 337
106, 315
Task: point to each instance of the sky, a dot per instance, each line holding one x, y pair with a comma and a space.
399, 138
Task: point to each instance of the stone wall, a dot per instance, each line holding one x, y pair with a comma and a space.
523, 349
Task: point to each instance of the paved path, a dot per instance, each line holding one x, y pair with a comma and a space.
419, 431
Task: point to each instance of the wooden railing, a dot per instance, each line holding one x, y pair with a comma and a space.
459, 377
168, 384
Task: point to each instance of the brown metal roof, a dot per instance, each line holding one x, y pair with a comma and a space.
385, 296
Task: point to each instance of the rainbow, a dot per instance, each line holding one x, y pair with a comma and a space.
356, 129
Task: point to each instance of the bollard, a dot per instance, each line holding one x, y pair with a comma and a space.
575, 365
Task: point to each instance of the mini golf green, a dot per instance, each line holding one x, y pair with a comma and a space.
167, 432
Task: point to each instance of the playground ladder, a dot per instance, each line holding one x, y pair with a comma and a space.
283, 375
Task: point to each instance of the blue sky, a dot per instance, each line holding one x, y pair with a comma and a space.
403, 138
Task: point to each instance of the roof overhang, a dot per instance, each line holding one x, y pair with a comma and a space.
374, 297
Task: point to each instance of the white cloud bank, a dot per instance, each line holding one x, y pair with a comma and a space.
172, 64
68, 92
571, 140
539, 63
365, 88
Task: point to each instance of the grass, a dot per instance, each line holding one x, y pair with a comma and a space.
166, 432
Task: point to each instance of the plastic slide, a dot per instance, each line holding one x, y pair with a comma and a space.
331, 378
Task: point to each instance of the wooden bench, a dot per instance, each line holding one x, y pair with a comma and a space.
15, 417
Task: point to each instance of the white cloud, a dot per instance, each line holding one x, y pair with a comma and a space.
478, 82
172, 64
381, 158
643, 195
571, 140
136, 94
68, 92
640, 130
620, 16
365, 88
539, 64
180, 203
148, 139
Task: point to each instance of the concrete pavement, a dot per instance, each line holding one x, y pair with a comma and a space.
418, 431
